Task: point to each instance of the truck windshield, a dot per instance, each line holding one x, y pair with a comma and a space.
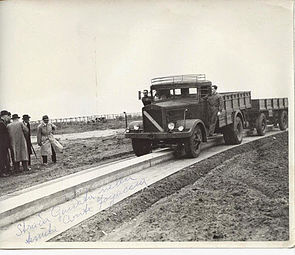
174, 93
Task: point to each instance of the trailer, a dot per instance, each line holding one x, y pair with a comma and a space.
253, 113
177, 115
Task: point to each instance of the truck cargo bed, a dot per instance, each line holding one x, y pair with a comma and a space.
236, 100
269, 104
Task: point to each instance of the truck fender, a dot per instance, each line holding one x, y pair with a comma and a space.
138, 123
190, 124
240, 114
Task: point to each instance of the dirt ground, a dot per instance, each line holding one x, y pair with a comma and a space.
238, 195
79, 154
69, 128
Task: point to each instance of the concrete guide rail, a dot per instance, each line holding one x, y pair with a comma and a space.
21, 204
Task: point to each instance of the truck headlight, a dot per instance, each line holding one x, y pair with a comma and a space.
180, 128
136, 127
171, 126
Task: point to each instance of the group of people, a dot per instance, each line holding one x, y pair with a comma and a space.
15, 142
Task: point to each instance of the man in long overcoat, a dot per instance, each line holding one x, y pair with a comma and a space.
44, 132
26, 121
215, 106
4, 144
17, 132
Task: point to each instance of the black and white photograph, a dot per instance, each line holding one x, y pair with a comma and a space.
146, 124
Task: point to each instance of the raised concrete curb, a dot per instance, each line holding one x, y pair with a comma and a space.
22, 204
49, 194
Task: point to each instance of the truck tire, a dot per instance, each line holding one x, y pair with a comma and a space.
226, 135
283, 120
179, 151
233, 134
141, 146
261, 124
193, 145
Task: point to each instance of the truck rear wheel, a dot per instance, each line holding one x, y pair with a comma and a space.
261, 124
192, 146
141, 146
233, 134
283, 121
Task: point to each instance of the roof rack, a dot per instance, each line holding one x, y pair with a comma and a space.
178, 79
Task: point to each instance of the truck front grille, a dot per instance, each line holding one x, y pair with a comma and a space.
150, 125
175, 115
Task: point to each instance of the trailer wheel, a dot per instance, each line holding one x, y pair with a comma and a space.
141, 146
261, 124
283, 121
233, 134
193, 145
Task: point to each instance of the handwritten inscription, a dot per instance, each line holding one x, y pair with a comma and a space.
25, 227
40, 235
103, 195
44, 224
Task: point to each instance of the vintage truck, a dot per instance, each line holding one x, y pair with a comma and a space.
177, 115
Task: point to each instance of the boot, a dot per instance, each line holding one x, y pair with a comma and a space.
25, 165
16, 167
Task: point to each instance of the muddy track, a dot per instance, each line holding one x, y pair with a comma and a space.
240, 194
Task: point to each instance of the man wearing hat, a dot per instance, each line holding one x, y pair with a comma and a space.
9, 118
44, 132
17, 132
4, 144
26, 121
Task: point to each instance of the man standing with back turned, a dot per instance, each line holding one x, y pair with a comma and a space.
17, 132
215, 106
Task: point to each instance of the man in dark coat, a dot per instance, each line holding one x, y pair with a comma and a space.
146, 99
26, 121
4, 144
215, 106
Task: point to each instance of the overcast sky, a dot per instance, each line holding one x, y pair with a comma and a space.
52, 51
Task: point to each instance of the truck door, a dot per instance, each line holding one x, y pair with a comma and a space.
204, 92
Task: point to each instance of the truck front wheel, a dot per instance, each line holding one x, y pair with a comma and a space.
283, 121
192, 146
141, 146
261, 124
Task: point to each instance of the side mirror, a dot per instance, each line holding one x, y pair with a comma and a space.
139, 95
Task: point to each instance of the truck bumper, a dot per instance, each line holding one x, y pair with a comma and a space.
158, 135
